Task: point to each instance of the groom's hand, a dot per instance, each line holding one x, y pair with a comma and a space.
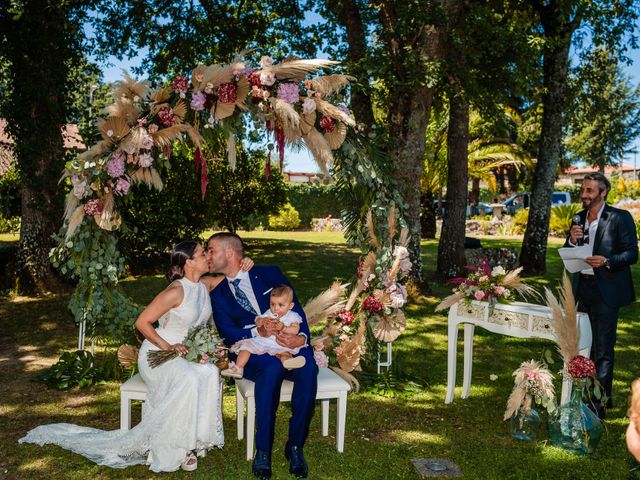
290, 341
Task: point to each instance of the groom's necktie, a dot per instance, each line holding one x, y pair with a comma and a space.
241, 297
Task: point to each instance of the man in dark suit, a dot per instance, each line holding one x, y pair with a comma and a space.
236, 302
606, 285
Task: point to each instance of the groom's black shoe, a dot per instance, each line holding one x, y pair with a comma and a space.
262, 465
297, 464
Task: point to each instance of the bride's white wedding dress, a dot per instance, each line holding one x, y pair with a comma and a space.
182, 411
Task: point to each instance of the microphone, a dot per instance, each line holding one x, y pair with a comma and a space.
576, 220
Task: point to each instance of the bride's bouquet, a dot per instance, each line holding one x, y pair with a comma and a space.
204, 344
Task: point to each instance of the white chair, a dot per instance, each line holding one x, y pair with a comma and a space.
330, 385
132, 389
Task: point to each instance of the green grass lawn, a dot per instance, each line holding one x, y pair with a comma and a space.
383, 432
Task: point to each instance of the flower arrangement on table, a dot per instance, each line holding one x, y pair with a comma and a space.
141, 124
373, 301
533, 384
204, 344
488, 285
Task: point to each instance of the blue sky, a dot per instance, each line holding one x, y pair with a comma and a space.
301, 161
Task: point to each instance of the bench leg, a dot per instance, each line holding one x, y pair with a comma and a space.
341, 420
325, 418
251, 425
125, 412
239, 414
452, 340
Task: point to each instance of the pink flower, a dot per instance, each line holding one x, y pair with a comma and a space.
147, 142
267, 78
321, 358
153, 128
479, 295
122, 186
142, 122
205, 356
499, 290
198, 99
346, 317
289, 92
93, 207
165, 115
398, 295
145, 160
180, 84
227, 93
115, 165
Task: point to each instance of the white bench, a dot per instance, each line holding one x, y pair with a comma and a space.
330, 385
136, 389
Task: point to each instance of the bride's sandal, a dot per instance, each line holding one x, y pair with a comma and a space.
190, 463
201, 452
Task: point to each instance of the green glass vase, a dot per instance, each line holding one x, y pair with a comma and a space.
525, 427
574, 427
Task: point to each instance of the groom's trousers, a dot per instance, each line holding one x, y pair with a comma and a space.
267, 372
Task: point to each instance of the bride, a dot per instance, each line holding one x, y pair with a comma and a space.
182, 414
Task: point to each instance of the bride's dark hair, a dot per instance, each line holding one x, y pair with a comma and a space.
179, 256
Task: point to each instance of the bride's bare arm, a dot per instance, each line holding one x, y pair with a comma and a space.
167, 299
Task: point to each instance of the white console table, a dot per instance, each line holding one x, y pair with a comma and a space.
522, 320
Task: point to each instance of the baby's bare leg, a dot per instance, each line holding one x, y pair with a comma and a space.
243, 358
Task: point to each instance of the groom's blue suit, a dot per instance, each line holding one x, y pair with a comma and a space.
235, 323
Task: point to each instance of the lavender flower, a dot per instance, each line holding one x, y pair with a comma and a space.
147, 142
289, 92
115, 165
122, 186
198, 99
145, 160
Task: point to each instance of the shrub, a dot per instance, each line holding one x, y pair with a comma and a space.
287, 219
561, 218
519, 221
10, 193
572, 188
9, 225
314, 201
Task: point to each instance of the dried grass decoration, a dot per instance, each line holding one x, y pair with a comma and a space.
533, 383
141, 126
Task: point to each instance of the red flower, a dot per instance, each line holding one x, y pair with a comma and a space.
93, 207
372, 304
360, 268
581, 367
165, 115
346, 317
180, 84
328, 124
227, 93
254, 79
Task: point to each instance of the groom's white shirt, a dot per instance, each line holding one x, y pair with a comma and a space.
245, 286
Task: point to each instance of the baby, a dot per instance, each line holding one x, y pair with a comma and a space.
286, 320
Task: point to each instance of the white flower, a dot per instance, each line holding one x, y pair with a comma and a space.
308, 106
267, 78
109, 133
400, 251
147, 142
208, 88
136, 98
499, 270
145, 160
183, 95
266, 61
346, 328
493, 377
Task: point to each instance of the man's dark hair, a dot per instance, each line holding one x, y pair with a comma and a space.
231, 240
603, 182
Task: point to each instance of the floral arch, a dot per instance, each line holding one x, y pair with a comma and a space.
294, 106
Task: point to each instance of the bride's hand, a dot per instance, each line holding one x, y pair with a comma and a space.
178, 347
246, 264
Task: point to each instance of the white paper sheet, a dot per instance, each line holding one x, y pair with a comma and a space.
573, 258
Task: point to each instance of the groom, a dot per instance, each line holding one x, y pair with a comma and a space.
236, 302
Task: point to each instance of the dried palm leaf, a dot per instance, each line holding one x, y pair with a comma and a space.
371, 232
319, 148
223, 110
106, 219
315, 309
404, 237
129, 88
565, 329
350, 379
75, 221
389, 327
391, 224
70, 205
242, 93
395, 268
97, 150
449, 301
307, 122
161, 95
298, 69
128, 355
113, 129
348, 353
113, 222
288, 118
330, 110
328, 84
133, 142
194, 135
164, 137
179, 111
217, 74
513, 281
336, 138
124, 108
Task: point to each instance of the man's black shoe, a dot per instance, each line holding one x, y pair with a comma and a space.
262, 465
297, 464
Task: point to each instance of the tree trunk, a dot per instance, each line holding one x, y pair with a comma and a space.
474, 196
428, 217
534, 246
349, 16
39, 46
451, 259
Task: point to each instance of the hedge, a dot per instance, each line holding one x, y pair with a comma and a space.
314, 201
